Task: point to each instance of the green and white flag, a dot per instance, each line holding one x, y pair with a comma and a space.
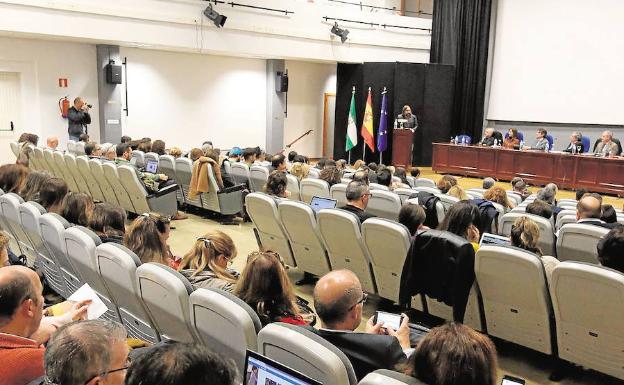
351, 127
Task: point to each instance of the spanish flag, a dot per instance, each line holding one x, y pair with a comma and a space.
367, 124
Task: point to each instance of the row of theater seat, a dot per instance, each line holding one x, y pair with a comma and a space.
511, 298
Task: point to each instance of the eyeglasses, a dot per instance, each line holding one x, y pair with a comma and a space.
106, 373
361, 301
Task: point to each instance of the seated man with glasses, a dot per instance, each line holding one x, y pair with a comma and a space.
357, 194
87, 352
338, 300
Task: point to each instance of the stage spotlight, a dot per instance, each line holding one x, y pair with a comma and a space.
340, 32
217, 18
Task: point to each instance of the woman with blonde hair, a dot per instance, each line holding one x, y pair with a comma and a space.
499, 195
445, 183
300, 170
525, 234
458, 193
358, 164
147, 237
206, 264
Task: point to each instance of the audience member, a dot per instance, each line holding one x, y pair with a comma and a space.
4, 249
291, 156
576, 143
338, 300
611, 249
13, 177
83, 138
512, 140
32, 185
341, 164
609, 215
52, 195
249, 156
147, 237
458, 193
607, 147
276, 184
488, 183
111, 153
401, 174
195, 154
463, 219
525, 234
300, 170
52, 142
264, 285
412, 216
331, 175
302, 159
415, 172
357, 195
175, 152
540, 208
125, 139
278, 163
158, 147
145, 146
124, 154
521, 188
93, 150
384, 177
108, 221
78, 208
177, 363
515, 180
26, 144
206, 147
361, 176
206, 265
454, 354
541, 143
589, 210
580, 193
358, 164
87, 352
446, 182
499, 195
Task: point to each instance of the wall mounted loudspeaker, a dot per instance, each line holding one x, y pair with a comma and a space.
113, 74
281, 82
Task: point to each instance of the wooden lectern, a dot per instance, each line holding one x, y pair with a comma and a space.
402, 146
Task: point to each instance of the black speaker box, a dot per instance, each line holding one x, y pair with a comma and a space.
281, 82
113, 74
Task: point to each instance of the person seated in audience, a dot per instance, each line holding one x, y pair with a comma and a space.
300, 170
249, 156
134, 144
521, 188
147, 237
611, 249
580, 193
401, 174
52, 142
458, 193
515, 180
52, 195
361, 176
291, 156
607, 147
339, 300
4, 249
278, 163
124, 154
357, 194
525, 234
206, 264
412, 216
589, 210
93, 150
548, 195
159, 147
576, 143
13, 177
32, 185
23, 327
488, 183
206, 147
78, 208
499, 195
454, 354
341, 164
195, 154
609, 215
276, 185
110, 152
331, 175
321, 163
178, 363
358, 164
265, 287
541, 143
83, 138
108, 221
87, 352
125, 139
176, 152
415, 172
463, 219
145, 146
445, 183
384, 177
261, 159
26, 144
540, 208
512, 141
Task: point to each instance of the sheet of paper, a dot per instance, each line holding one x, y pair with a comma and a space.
97, 307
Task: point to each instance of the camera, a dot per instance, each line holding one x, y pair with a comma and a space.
89, 106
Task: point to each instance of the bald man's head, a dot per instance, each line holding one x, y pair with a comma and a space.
489, 132
19, 284
52, 142
588, 207
336, 295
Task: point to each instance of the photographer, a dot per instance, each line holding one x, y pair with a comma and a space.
78, 117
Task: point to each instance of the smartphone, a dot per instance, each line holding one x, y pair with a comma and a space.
509, 380
388, 319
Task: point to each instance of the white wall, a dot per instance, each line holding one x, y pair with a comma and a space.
41, 64
185, 99
308, 82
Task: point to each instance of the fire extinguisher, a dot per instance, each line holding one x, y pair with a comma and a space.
64, 106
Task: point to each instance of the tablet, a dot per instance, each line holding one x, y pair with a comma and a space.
261, 370
493, 239
151, 166
319, 203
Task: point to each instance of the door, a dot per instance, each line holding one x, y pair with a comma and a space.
329, 114
10, 109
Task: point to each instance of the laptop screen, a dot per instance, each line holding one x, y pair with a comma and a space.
151, 166
494, 240
261, 370
319, 203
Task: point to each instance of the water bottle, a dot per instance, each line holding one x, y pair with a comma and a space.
574, 149
521, 144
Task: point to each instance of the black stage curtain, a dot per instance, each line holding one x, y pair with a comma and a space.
461, 30
377, 76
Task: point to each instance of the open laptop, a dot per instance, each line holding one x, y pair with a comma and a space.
319, 203
494, 240
151, 166
260, 370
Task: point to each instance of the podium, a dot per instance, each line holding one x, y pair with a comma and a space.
402, 141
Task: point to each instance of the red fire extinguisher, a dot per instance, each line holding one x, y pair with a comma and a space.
64, 106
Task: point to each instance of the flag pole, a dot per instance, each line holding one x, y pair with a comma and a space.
349, 158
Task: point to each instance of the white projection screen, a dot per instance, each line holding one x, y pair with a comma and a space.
558, 61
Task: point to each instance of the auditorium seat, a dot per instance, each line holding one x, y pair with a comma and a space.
228, 202
107, 189
82, 163
447, 201
80, 244
258, 176
166, 165
477, 190
15, 148
377, 186
293, 187
117, 267
387, 243
547, 235
567, 202
342, 236
339, 193
586, 143
52, 228
307, 353
225, 324
389, 377
152, 156
429, 189
240, 173
565, 219
384, 204
551, 141
299, 223
314, 173
184, 172
79, 148
313, 187
48, 155
403, 193
474, 195
138, 158
112, 176
423, 182
514, 197
472, 315
64, 170
578, 242
70, 162
165, 293
588, 307
9, 209
521, 316
71, 146
271, 234
42, 163
163, 202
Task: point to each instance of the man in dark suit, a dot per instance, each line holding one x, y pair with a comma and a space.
488, 138
357, 194
588, 212
338, 300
